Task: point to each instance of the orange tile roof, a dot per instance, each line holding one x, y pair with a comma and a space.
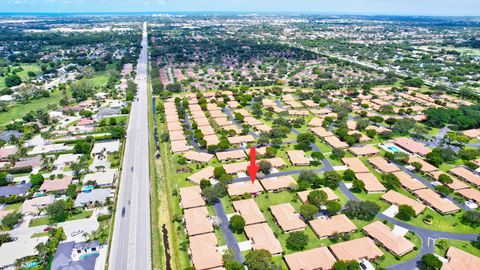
204, 252
355, 164
466, 175
398, 245
460, 260
313, 259
412, 146
262, 237
442, 205
471, 194
229, 155
249, 210
196, 221
398, 199
356, 249
366, 150
426, 167
371, 182
198, 156
278, 183
205, 173
241, 188
297, 157
383, 165
409, 182
191, 197
286, 217
335, 224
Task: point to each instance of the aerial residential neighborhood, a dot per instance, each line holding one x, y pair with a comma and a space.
303, 136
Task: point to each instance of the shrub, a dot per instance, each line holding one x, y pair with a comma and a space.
333, 207
405, 212
431, 262
348, 175
237, 224
104, 217
20, 170
308, 211
297, 241
10, 220
471, 218
346, 265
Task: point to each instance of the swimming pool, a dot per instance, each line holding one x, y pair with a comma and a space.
87, 188
86, 256
30, 265
393, 148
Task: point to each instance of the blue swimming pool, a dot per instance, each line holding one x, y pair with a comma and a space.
394, 148
85, 256
87, 188
30, 265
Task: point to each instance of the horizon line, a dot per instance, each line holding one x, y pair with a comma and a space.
232, 12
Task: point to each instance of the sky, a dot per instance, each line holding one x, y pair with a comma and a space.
371, 7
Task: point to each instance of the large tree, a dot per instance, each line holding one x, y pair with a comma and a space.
431, 262
317, 197
237, 223
258, 260
364, 210
58, 211
13, 80
297, 241
308, 211
405, 212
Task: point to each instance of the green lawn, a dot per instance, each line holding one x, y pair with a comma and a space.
373, 197
447, 223
40, 234
17, 111
220, 238
334, 162
45, 220
323, 147
24, 73
99, 79
265, 200
442, 245
15, 207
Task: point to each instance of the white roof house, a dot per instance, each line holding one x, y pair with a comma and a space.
96, 195
22, 247
102, 178
109, 147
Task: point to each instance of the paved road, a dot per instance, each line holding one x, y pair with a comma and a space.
230, 239
438, 138
131, 236
229, 113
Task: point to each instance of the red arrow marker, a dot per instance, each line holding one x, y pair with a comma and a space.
253, 167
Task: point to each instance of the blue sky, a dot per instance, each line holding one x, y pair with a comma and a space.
384, 7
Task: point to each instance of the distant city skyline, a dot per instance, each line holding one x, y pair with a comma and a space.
366, 7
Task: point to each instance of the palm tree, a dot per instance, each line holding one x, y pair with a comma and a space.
42, 250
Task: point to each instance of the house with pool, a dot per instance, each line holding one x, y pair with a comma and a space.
79, 255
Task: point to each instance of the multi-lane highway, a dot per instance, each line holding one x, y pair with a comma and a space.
130, 247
